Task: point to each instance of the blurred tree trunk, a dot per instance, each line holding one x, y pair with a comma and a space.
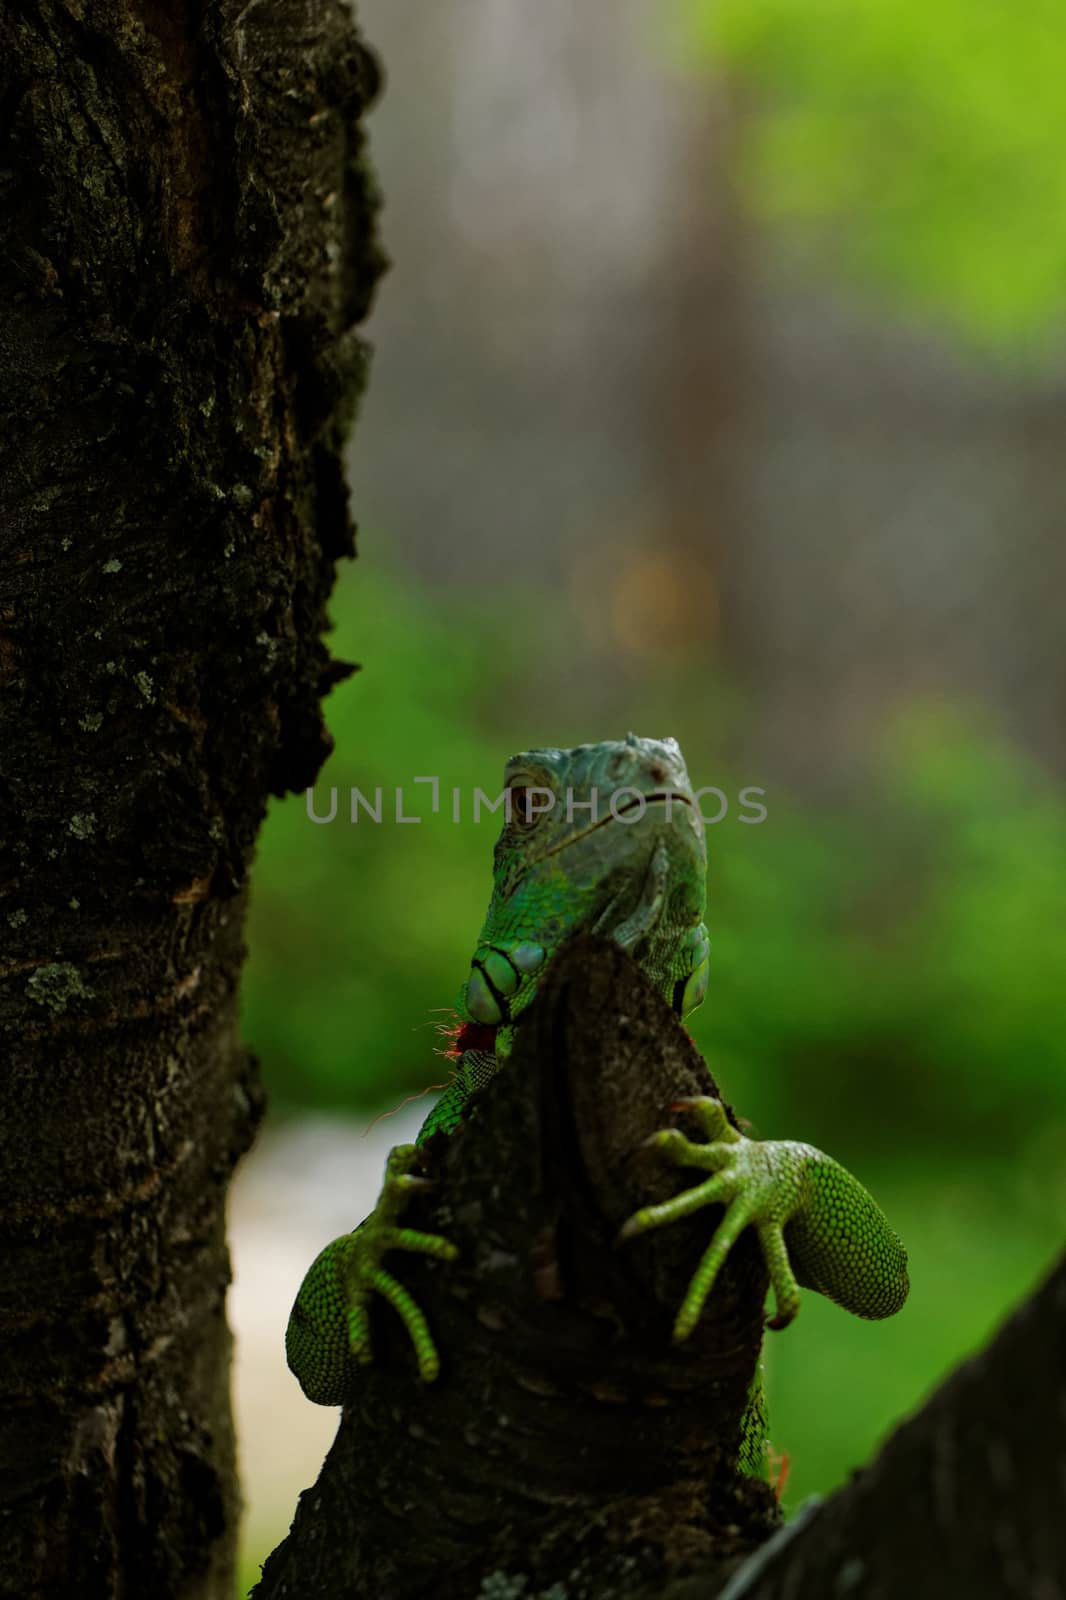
700, 384
187, 243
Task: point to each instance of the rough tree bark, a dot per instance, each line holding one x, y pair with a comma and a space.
187, 244
567, 1441
568, 1452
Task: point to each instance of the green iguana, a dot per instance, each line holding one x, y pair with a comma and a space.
606, 837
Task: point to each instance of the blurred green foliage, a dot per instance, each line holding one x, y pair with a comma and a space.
354, 927
920, 145
887, 983
917, 945
904, 965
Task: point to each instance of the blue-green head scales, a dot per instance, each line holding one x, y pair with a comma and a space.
606, 838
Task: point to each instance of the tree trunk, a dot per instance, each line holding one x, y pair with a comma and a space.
187, 243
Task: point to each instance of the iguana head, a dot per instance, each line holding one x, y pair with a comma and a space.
608, 838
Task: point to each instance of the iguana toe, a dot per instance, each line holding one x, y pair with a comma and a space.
328, 1336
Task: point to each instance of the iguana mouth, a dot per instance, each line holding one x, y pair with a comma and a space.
657, 795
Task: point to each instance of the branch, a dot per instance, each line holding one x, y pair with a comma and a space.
966, 1498
567, 1440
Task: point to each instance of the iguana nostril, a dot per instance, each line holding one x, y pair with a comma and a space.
657, 773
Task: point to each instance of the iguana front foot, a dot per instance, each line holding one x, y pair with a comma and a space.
754, 1187
839, 1241
328, 1336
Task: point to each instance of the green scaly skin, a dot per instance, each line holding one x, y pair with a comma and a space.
637, 877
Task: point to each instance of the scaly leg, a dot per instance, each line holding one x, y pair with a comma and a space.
837, 1240
328, 1336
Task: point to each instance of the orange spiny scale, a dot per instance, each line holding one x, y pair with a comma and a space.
779, 1463
407, 1100
448, 1026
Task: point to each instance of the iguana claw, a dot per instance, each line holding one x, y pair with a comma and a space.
760, 1185
838, 1240
329, 1328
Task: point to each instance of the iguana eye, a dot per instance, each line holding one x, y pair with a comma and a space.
529, 798
522, 800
